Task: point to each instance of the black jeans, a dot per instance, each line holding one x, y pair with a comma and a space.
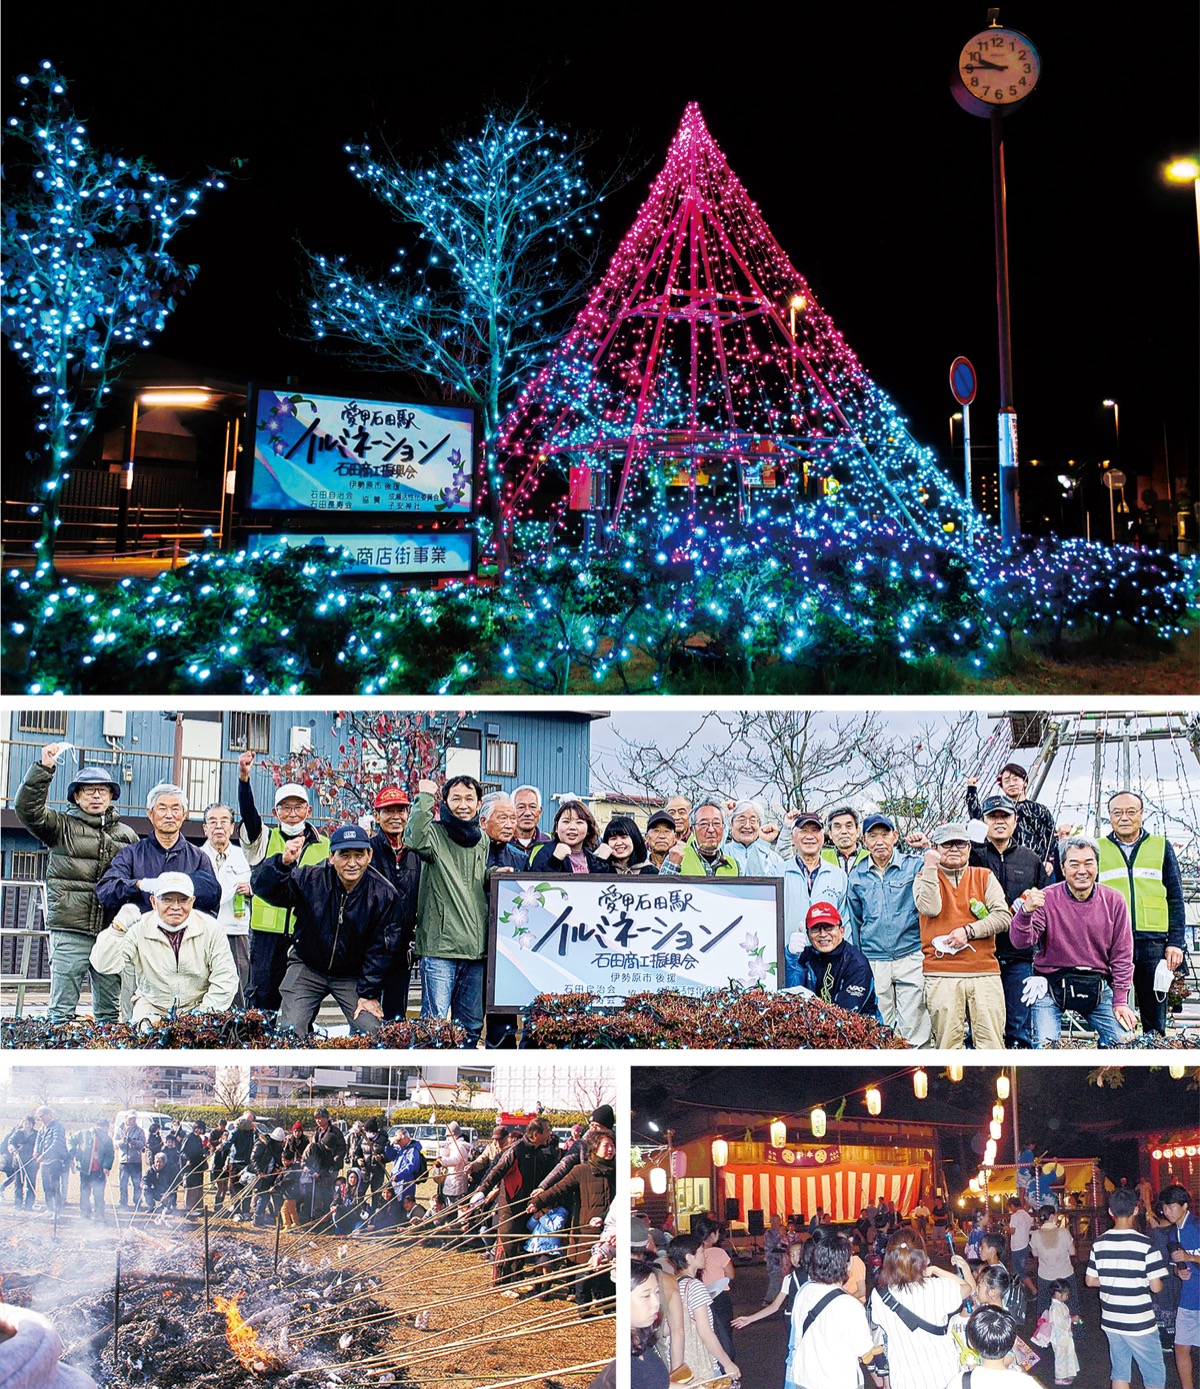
268, 965
1148, 950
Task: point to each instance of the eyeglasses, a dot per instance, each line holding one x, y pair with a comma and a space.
825, 930
1125, 814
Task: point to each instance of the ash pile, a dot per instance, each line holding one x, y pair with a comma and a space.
304, 1323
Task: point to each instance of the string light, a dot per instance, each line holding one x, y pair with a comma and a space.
87, 278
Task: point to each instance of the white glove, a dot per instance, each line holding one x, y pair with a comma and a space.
477, 1198
1035, 987
796, 942
148, 885
128, 915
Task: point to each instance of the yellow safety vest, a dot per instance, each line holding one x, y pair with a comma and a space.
265, 917
1139, 879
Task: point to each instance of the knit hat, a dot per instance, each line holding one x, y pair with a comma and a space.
604, 1116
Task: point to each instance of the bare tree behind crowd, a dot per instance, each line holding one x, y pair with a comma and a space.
593, 1091
126, 1085
806, 759
229, 1089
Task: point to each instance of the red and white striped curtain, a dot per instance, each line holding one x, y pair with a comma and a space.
842, 1190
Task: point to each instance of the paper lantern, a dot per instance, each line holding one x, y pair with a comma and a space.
920, 1084
998, 1113
637, 1188
874, 1100
1179, 1152
1177, 1072
1157, 1155
1191, 1150
658, 1180
995, 1130
817, 1121
989, 1153
955, 1073
778, 1133
1002, 1086
974, 1186
679, 1164
720, 1152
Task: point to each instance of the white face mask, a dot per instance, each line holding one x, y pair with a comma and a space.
291, 831
170, 926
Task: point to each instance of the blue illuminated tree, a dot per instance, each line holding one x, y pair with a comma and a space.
505, 228
86, 274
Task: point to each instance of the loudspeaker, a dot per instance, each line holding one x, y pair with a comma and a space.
733, 1208
754, 1222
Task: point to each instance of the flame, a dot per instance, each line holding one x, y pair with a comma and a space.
243, 1339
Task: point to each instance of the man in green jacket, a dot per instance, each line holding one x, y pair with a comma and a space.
83, 841
451, 906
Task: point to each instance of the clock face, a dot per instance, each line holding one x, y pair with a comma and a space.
999, 66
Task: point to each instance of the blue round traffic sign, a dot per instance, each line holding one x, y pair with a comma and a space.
962, 380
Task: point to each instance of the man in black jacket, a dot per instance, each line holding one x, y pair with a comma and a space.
517, 1172
402, 868
324, 1157
93, 1155
1016, 869
343, 915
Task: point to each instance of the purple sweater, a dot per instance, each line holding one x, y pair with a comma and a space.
1070, 934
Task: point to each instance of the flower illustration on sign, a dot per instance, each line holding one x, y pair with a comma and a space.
517, 916
757, 968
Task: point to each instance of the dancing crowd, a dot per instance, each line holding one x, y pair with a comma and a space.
985, 932
866, 1305
531, 1205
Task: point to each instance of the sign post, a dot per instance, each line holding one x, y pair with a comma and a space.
1113, 479
962, 388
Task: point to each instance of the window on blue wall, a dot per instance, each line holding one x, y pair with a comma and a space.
249, 732
501, 758
42, 721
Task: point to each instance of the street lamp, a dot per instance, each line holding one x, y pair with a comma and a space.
1186, 170
956, 417
1115, 407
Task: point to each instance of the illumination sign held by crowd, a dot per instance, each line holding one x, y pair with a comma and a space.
614, 937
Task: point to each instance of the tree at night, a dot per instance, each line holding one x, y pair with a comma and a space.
505, 224
87, 278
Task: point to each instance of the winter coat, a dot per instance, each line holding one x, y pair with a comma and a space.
326, 1152
451, 906
406, 1167
404, 874
343, 935
131, 1143
266, 1160
81, 849
239, 1144
594, 1182
203, 979
81, 1151
146, 858
542, 858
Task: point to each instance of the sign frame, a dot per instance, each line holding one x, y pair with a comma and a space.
275, 520
960, 392
630, 882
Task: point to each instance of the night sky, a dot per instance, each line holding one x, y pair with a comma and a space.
837, 119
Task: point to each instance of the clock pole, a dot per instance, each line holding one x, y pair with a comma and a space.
1010, 511
997, 71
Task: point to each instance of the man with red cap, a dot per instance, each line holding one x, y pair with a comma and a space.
402, 868
833, 969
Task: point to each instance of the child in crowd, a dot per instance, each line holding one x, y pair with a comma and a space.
1054, 1330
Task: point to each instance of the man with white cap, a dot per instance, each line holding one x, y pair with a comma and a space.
83, 841
180, 957
271, 927
343, 914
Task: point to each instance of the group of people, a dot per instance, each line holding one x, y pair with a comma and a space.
531, 1204
895, 1319
987, 932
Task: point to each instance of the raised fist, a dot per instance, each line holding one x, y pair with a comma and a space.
427, 787
245, 762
